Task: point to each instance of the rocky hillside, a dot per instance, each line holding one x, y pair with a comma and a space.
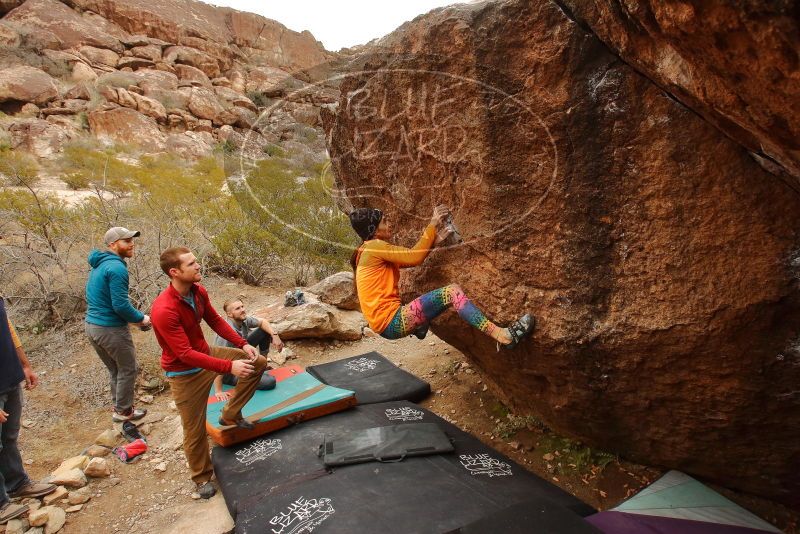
177, 75
628, 176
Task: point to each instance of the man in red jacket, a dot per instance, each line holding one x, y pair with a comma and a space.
191, 365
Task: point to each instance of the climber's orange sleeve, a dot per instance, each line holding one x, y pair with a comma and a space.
378, 273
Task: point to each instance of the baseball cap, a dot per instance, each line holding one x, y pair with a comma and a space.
118, 232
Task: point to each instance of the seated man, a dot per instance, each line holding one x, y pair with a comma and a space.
257, 332
191, 365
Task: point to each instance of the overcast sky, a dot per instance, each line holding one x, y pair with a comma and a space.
338, 23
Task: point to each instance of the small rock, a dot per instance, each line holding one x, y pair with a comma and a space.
147, 399
28, 462
56, 521
73, 478
161, 467
146, 429
39, 518
73, 509
153, 417
514, 445
77, 497
16, 526
28, 423
76, 462
195, 495
33, 504
97, 451
97, 468
548, 457
469, 371
109, 438
172, 405
485, 387
59, 493
113, 481
35, 530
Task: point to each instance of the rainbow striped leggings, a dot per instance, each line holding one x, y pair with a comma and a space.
423, 309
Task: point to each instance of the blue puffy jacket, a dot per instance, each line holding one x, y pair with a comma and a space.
107, 292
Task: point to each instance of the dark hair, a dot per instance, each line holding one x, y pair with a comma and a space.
171, 258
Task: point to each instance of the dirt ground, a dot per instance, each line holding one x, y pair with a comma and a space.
72, 407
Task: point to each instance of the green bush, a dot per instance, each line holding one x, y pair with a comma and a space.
309, 231
274, 151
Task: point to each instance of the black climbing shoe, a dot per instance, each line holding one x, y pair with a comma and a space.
421, 331
520, 329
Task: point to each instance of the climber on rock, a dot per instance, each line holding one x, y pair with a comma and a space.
376, 264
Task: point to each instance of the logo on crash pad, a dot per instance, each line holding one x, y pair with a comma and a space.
483, 464
303, 515
361, 365
404, 414
258, 450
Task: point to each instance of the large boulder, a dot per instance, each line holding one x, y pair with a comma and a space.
203, 104
660, 259
337, 290
734, 63
191, 56
314, 319
27, 84
126, 125
101, 56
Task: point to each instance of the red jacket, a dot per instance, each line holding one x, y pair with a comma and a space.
177, 328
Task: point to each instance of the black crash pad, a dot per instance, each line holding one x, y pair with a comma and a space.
540, 516
384, 443
277, 484
373, 378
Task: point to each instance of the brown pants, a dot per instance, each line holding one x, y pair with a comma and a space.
191, 396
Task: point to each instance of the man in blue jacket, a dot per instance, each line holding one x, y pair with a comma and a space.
108, 315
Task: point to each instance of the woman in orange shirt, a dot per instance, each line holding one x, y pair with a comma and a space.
376, 264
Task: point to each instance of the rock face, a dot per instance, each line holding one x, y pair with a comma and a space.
193, 67
734, 63
660, 259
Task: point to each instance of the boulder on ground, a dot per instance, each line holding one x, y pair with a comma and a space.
315, 319
191, 56
192, 74
108, 438
337, 290
81, 72
203, 103
101, 56
78, 462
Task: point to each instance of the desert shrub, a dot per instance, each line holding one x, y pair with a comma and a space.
274, 151
309, 232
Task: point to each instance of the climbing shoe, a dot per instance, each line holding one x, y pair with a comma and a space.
206, 490
520, 329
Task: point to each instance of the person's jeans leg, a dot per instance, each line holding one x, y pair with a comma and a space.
12, 471
93, 332
121, 348
259, 338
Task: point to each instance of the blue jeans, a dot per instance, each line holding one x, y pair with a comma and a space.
12, 472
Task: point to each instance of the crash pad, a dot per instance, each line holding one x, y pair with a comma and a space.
373, 377
278, 483
297, 397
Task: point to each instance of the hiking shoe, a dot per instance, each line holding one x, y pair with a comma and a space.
32, 489
241, 423
207, 490
11, 511
130, 415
